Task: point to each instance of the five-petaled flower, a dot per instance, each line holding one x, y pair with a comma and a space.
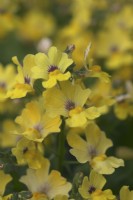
69, 101
52, 67
93, 150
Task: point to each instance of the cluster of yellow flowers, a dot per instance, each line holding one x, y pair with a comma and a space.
112, 41
63, 105
51, 101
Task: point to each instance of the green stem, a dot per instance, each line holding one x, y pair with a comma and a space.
72, 162
61, 146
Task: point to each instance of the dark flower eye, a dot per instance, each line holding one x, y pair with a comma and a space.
25, 150
52, 68
2, 85
69, 105
91, 189
27, 79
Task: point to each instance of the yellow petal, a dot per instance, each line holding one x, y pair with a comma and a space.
51, 82
97, 138
77, 120
63, 77
15, 60
58, 184
83, 189
20, 91
54, 56
97, 180
5, 178
65, 62
106, 165
76, 141
126, 194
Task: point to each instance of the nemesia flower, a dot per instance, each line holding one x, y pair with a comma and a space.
119, 59
30, 25
123, 109
4, 179
126, 194
69, 101
36, 124
26, 152
124, 99
52, 67
7, 76
24, 80
91, 188
101, 95
109, 41
95, 71
93, 150
43, 184
122, 19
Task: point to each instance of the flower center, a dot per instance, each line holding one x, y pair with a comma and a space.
98, 159
38, 127
25, 149
75, 111
114, 48
101, 157
44, 189
52, 68
27, 80
2, 85
70, 105
91, 189
92, 152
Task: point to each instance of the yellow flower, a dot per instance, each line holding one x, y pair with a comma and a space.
40, 182
7, 76
104, 195
36, 123
93, 150
52, 67
26, 151
119, 59
101, 95
81, 14
123, 109
91, 188
69, 101
95, 71
121, 19
109, 41
4, 179
106, 165
35, 25
126, 194
24, 80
